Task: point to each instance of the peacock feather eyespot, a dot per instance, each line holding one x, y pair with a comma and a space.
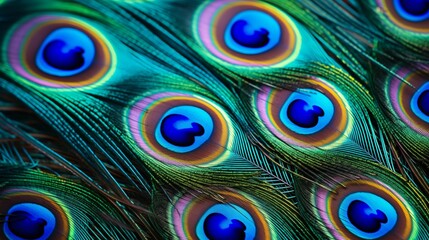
184, 128
29, 221
201, 217
58, 52
412, 10
355, 217
32, 215
247, 33
365, 209
305, 117
410, 100
412, 15
65, 52
179, 128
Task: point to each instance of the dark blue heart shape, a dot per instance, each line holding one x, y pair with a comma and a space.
363, 217
214, 231
415, 7
25, 225
67, 61
299, 115
423, 102
257, 39
182, 137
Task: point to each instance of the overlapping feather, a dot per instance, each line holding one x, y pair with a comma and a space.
241, 154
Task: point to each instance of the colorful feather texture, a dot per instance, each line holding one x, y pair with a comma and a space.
228, 119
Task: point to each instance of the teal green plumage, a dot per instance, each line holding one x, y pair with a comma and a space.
173, 119
75, 205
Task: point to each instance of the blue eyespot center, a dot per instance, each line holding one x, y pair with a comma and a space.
420, 102
184, 129
415, 7
367, 215
303, 115
412, 10
257, 39
363, 217
29, 221
307, 111
65, 52
226, 221
176, 133
25, 225
423, 102
54, 55
217, 226
252, 32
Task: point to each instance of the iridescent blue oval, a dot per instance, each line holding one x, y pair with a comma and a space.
252, 32
29, 221
226, 221
184, 128
420, 102
307, 111
65, 52
412, 10
367, 215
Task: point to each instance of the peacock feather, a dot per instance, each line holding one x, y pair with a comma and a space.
226, 119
